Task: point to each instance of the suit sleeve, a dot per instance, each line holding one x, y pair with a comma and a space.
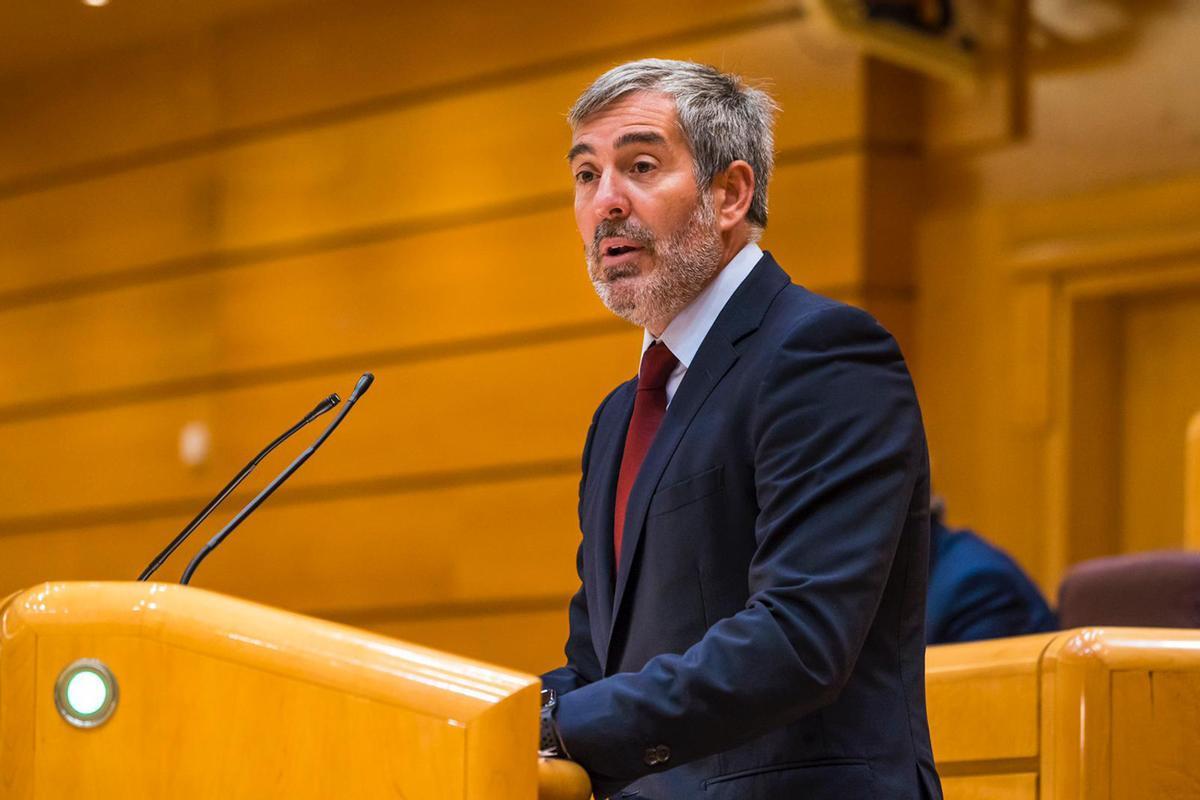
582, 666
838, 448
992, 600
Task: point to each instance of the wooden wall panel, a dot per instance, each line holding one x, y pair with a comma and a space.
1160, 392
448, 47
1191, 489
137, 217
104, 108
1018, 786
372, 555
240, 80
423, 164
1092, 431
531, 641
818, 243
478, 410
442, 286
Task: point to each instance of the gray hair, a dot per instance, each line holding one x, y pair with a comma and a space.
722, 118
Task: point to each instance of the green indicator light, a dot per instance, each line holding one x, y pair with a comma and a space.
86, 692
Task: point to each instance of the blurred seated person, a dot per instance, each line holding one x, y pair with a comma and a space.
976, 590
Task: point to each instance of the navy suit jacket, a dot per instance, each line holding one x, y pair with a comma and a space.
976, 591
763, 635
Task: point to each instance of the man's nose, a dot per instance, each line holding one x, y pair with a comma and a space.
611, 201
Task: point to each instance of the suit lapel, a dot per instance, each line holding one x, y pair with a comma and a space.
740, 317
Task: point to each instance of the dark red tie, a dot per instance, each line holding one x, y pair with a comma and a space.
649, 406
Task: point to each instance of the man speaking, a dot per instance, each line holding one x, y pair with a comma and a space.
755, 504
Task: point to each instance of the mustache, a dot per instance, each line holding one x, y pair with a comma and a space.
624, 228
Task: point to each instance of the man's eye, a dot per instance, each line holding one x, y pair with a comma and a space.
642, 167
585, 176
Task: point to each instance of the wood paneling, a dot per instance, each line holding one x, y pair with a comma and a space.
1160, 391
476, 410
1021, 786
141, 98
448, 285
378, 555
1092, 424
530, 641
1191, 473
240, 80
426, 162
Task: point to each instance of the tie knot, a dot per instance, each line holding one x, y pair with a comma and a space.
658, 363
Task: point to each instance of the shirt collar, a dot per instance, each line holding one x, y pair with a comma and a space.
686, 332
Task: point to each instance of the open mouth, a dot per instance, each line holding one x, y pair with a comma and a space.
620, 249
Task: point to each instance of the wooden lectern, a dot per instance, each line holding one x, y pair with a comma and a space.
156, 690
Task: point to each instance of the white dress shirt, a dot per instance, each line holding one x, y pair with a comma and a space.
687, 331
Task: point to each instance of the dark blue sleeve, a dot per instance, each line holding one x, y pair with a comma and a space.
978, 592
582, 666
838, 449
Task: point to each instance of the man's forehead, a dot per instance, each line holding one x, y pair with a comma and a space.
639, 117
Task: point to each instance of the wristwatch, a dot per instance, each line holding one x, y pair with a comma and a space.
550, 745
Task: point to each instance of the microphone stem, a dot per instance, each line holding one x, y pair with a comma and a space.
262, 496
179, 539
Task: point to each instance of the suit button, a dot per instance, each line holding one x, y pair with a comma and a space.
657, 755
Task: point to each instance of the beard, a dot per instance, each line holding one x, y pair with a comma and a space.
684, 262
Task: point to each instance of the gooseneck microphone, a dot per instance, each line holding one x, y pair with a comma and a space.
360, 389
321, 408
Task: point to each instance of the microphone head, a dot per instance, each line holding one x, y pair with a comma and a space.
333, 399
361, 387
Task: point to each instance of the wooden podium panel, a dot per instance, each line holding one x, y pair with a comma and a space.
221, 697
1086, 714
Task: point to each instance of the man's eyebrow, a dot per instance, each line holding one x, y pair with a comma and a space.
625, 139
578, 150
639, 137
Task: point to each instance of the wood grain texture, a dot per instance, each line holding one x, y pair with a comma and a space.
530, 641
995, 680
1107, 731
227, 83
1159, 393
398, 551
523, 405
324, 709
1023, 786
420, 162
1191, 525
1156, 752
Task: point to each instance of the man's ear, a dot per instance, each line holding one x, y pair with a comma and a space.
733, 190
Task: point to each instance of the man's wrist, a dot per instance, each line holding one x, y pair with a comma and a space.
550, 744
